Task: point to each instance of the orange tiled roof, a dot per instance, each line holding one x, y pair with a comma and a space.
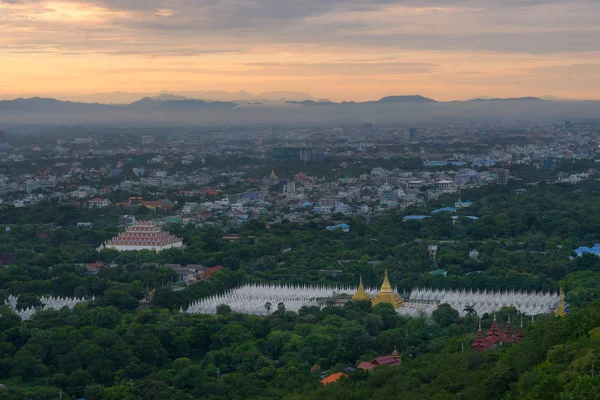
333, 378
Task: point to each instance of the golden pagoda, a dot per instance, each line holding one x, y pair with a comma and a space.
273, 175
387, 294
361, 294
397, 356
560, 310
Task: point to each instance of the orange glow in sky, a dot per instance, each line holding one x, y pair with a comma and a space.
351, 50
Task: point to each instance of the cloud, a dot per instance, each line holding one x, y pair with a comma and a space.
164, 12
511, 26
374, 44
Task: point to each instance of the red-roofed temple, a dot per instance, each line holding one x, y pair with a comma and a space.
495, 337
393, 359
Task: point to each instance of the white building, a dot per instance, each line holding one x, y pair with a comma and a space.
446, 186
462, 204
98, 203
342, 208
289, 187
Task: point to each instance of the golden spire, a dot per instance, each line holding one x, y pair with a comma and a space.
273, 173
386, 287
396, 354
361, 294
560, 310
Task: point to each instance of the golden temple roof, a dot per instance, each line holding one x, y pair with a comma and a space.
387, 295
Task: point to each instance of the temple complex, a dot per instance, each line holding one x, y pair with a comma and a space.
361, 294
495, 337
387, 295
143, 235
419, 302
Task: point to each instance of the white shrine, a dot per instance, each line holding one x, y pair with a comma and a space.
48, 303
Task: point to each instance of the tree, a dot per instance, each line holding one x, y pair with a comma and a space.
78, 381
223, 309
105, 317
280, 308
28, 301
470, 311
268, 306
444, 315
181, 363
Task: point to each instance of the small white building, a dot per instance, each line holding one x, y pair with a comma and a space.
98, 203
446, 186
289, 187
462, 204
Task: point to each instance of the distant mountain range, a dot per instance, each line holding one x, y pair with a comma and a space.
170, 102
212, 95
167, 108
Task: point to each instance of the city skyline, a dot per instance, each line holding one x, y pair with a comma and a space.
353, 50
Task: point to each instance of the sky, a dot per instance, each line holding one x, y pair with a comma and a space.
334, 49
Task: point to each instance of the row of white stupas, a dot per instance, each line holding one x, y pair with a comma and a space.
251, 299
530, 303
48, 303
143, 235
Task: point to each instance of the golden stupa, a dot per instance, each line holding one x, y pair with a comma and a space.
387, 295
560, 310
361, 294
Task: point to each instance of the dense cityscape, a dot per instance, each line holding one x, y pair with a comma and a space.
341, 261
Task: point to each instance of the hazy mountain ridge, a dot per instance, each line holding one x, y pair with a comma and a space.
390, 109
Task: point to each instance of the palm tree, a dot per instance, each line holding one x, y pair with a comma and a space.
470, 311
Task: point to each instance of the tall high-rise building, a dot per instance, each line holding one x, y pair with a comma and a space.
547, 163
568, 126
502, 176
412, 134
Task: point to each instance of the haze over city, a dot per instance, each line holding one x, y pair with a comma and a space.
351, 50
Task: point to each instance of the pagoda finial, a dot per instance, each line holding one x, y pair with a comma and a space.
361, 294
386, 287
396, 354
560, 310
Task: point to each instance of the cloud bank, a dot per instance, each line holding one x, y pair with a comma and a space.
333, 48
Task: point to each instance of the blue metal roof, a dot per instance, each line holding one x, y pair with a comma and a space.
591, 250
446, 209
415, 217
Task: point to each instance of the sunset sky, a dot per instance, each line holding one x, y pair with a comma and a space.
336, 49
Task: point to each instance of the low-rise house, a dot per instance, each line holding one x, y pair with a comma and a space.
98, 203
